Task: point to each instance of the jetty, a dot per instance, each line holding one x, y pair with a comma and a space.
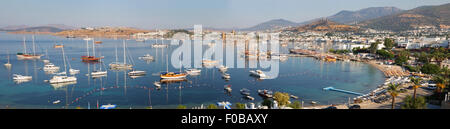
341, 90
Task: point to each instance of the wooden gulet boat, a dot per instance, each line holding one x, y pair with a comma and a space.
172, 75
26, 55
89, 58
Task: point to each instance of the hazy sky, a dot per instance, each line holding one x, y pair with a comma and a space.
151, 14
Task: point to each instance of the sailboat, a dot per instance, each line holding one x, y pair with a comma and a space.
63, 78
118, 65
172, 75
159, 45
89, 58
71, 70
98, 73
26, 55
46, 55
8, 65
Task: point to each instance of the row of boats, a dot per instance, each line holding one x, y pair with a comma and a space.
63, 76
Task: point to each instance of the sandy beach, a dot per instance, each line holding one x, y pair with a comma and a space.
389, 71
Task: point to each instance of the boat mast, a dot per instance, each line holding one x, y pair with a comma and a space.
87, 47
117, 59
24, 46
124, 54
167, 63
46, 53
64, 59
34, 46
93, 47
7, 52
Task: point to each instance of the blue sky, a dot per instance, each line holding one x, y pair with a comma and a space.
150, 14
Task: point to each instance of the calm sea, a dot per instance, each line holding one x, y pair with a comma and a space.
301, 76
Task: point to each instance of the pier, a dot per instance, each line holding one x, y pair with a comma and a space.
340, 90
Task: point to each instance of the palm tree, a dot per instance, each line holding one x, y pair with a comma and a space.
441, 82
416, 82
393, 90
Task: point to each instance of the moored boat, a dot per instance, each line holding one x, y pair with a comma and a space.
50, 67
26, 55
193, 71
146, 57
227, 88
172, 75
21, 77
258, 73
245, 91
137, 73
265, 93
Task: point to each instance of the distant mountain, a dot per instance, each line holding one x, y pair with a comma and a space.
276, 23
13, 27
343, 17
437, 16
46, 28
350, 17
62, 26
324, 25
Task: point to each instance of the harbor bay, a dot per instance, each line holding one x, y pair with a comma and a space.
304, 77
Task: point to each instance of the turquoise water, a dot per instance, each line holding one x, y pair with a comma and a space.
301, 76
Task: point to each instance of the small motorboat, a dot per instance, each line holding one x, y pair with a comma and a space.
293, 96
159, 46
157, 84
249, 97
46, 61
21, 77
109, 106
193, 71
265, 93
226, 76
245, 91
137, 73
74, 71
258, 73
227, 88
50, 67
146, 57
96, 73
56, 102
223, 68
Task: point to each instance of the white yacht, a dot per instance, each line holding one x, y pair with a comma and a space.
46, 61
227, 88
63, 78
146, 57
136, 73
258, 73
8, 65
193, 71
121, 65
50, 67
223, 68
208, 63
157, 84
74, 71
159, 46
97, 73
21, 77
226, 76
